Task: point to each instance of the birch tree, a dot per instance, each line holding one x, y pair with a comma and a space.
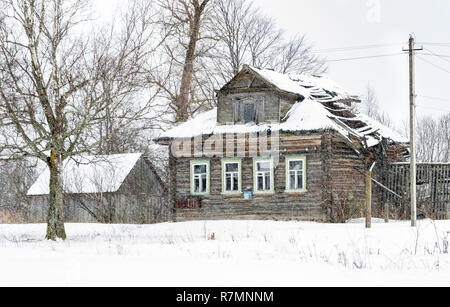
57, 79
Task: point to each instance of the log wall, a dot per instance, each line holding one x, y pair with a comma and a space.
277, 206
334, 184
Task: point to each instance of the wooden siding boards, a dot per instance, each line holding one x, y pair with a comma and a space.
433, 189
335, 166
335, 178
141, 199
279, 205
231, 107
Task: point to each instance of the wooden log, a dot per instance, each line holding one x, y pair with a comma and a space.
368, 199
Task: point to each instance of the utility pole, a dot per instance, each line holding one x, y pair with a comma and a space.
412, 116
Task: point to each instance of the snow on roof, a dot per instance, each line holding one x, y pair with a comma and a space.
308, 115
323, 99
89, 174
382, 130
313, 87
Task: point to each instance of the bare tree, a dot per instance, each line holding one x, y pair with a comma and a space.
444, 128
209, 43
433, 139
371, 108
16, 177
53, 78
183, 21
247, 36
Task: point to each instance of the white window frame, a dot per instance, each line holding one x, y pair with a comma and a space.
256, 174
208, 177
288, 173
224, 176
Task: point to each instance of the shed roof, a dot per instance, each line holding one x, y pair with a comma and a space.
89, 174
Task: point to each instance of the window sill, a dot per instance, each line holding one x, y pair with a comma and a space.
200, 194
296, 191
232, 193
263, 193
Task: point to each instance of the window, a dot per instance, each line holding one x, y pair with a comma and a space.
200, 177
249, 110
296, 174
231, 170
249, 113
264, 176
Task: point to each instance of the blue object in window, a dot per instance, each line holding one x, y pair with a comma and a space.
248, 195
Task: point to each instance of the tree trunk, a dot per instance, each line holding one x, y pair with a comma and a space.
172, 184
188, 70
55, 220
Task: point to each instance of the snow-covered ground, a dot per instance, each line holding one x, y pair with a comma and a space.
244, 253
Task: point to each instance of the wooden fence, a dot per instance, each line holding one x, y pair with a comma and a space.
433, 190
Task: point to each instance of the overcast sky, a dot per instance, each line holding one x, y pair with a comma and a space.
347, 23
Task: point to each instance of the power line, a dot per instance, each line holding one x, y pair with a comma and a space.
434, 98
351, 48
442, 56
435, 65
436, 44
365, 57
433, 108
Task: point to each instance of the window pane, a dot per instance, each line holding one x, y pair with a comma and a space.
228, 182
263, 166
200, 169
204, 184
300, 180
296, 165
249, 113
197, 185
260, 183
232, 167
236, 182
268, 183
292, 181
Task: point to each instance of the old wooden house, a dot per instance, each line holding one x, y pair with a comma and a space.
282, 147
124, 188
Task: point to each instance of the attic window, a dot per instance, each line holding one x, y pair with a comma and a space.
248, 111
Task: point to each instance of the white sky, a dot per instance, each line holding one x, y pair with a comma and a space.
348, 23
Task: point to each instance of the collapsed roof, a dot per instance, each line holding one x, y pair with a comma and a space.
322, 105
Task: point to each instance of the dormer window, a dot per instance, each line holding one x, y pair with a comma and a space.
248, 111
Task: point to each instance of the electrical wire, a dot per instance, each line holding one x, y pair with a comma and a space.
442, 56
433, 64
352, 48
434, 98
433, 108
365, 57
435, 44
